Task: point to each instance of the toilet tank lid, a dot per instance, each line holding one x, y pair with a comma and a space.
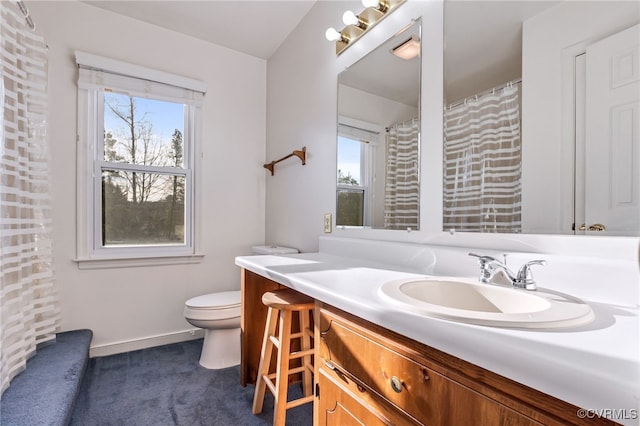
273, 250
220, 300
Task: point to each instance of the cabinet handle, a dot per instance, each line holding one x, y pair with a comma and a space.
425, 374
396, 384
344, 375
329, 366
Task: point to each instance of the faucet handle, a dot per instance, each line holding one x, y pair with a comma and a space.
485, 269
483, 260
524, 279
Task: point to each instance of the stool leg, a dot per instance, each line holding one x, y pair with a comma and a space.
282, 373
265, 359
307, 379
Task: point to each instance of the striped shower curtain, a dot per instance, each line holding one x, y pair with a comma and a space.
402, 190
28, 298
482, 163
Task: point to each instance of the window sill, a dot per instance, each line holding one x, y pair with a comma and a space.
134, 262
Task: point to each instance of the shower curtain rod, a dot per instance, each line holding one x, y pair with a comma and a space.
484, 92
25, 11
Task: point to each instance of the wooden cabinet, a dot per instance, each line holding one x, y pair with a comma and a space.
370, 375
252, 321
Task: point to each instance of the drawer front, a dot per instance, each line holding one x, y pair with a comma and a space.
398, 379
379, 410
339, 406
421, 393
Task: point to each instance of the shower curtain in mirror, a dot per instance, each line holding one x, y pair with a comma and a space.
402, 192
482, 163
28, 298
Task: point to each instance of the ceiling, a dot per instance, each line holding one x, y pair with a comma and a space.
255, 27
482, 38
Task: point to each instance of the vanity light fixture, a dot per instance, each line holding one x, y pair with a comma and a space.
334, 35
350, 18
409, 49
380, 5
357, 25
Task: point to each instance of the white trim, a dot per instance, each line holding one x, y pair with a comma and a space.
145, 342
128, 167
376, 130
568, 140
364, 125
89, 60
90, 253
134, 262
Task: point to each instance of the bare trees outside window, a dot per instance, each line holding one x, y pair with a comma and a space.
143, 172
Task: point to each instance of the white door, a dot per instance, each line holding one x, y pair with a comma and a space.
612, 140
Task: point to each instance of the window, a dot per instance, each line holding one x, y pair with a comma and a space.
137, 142
350, 204
355, 175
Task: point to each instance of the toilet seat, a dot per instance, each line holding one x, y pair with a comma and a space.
221, 300
214, 306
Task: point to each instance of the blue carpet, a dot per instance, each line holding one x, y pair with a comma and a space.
45, 392
165, 385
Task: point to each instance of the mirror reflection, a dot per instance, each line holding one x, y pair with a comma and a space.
542, 117
379, 136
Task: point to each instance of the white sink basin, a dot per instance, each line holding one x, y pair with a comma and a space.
487, 304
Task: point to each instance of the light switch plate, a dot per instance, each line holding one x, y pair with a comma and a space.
327, 223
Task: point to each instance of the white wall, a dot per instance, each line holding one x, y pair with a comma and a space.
361, 105
134, 304
301, 111
547, 148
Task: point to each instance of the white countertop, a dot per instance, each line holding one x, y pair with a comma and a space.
595, 367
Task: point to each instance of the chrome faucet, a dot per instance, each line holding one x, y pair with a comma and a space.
490, 267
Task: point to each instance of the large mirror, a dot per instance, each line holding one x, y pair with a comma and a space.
378, 139
542, 117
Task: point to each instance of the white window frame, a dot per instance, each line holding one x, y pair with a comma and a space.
361, 130
95, 74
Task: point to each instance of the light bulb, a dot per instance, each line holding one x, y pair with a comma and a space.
370, 3
332, 35
350, 18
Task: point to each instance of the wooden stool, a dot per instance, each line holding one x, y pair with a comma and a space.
282, 304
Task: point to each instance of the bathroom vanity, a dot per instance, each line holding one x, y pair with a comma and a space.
376, 363
370, 375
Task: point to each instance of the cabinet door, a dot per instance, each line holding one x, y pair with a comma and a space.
336, 406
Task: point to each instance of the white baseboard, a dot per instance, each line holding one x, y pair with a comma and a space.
145, 342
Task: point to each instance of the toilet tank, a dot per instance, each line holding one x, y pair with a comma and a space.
274, 250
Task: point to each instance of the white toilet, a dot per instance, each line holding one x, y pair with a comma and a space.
219, 315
